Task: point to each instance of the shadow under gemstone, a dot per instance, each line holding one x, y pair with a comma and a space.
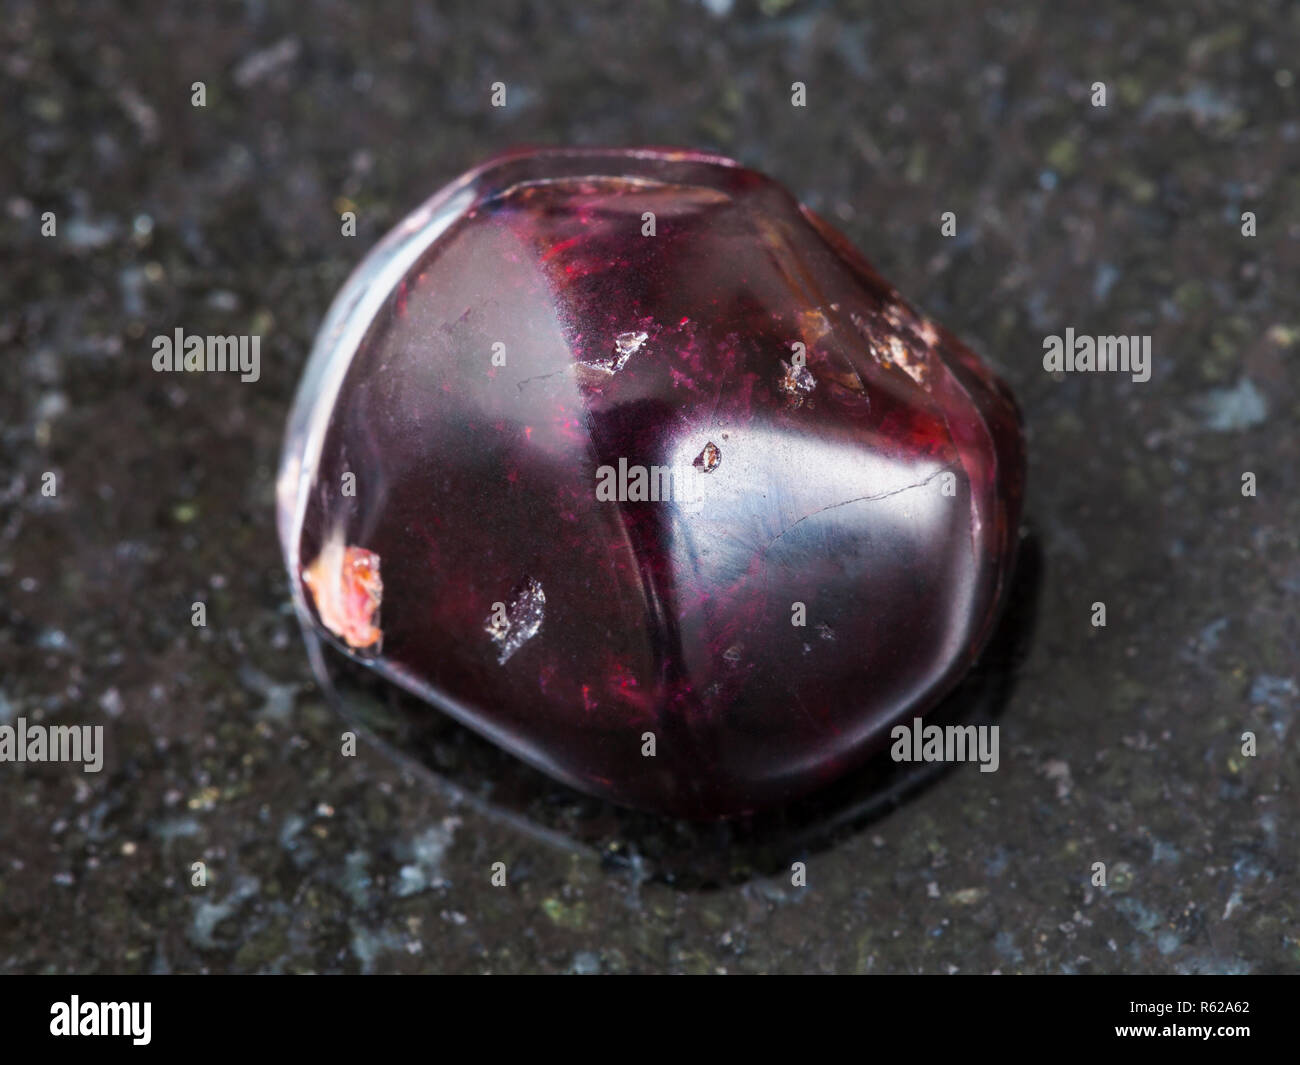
473, 772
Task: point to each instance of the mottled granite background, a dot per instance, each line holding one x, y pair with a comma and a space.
1119, 744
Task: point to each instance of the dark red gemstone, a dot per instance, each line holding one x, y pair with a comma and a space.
601, 445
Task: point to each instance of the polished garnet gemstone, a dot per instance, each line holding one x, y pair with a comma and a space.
634, 465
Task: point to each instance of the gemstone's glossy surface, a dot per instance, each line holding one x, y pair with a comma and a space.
642, 448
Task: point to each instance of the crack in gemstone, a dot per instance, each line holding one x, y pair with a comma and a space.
520, 620
859, 499
542, 377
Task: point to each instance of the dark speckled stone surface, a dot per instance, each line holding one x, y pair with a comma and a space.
1119, 744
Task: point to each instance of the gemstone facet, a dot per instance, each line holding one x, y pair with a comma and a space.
815, 512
